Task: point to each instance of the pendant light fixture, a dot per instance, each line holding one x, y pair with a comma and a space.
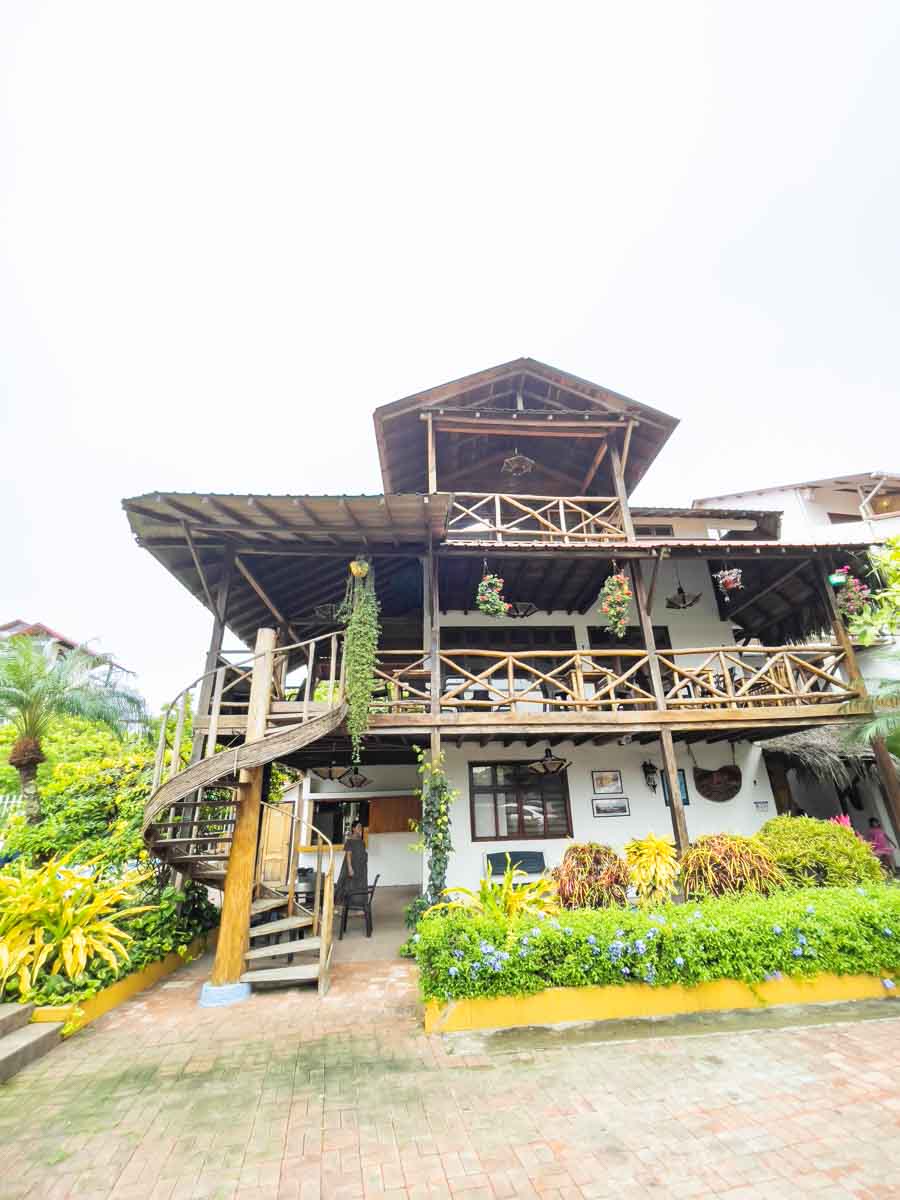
680, 598
354, 779
518, 464
550, 764
332, 772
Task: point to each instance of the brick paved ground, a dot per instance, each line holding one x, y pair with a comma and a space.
288, 1097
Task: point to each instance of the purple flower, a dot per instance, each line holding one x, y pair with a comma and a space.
625, 971
810, 909
797, 952
887, 932
776, 929
801, 939
888, 983
453, 970
458, 954
640, 947
591, 940
679, 961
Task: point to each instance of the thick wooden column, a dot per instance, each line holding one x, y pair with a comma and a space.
841, 636
667, 746
621, 493
886, 769
239, 878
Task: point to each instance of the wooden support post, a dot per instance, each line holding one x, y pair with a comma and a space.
239, 879
434, 633
890, 781
841, 636
621, 493
670, 766
432, 455
667, 746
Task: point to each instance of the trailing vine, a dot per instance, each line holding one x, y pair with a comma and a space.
359, 612
434, 832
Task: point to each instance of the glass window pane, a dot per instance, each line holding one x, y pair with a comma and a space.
508, 814
481, 777
557, 823
485, 822
506, 774
532, 812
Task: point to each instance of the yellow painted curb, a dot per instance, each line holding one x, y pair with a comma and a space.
77, 1015
558, 1005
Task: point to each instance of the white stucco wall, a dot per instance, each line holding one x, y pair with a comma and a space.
648, 809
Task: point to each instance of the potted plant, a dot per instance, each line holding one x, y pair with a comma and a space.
359, 612
729, 580
489, 597
853, 594
614, 597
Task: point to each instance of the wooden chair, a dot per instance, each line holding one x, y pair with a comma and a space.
358, 902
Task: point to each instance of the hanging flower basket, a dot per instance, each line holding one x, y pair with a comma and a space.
729, 581
359, 568
489, 597
614, 597
853, 595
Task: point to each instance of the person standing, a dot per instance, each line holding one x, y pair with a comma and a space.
881, 844
354, 876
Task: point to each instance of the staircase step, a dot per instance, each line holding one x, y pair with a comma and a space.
279, 926
267, 904
279, 949
305, 973
26, 1045
14, 1016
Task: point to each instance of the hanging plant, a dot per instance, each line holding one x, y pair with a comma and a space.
853, 595
359, 613
730, 580
614, 597
434, 831
489, 597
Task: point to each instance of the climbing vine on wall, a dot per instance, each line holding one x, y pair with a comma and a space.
434, 832
359, 612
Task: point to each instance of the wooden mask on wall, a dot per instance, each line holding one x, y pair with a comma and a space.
719, 785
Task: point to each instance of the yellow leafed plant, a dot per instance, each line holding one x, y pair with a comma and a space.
56, 919
653, 867
513, 896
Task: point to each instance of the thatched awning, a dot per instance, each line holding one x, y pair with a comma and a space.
823, 754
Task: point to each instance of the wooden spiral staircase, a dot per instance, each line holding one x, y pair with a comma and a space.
190, 818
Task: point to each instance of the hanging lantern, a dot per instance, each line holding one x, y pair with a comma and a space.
550, 764
681, 599
520, 609
518, 464
332, 772
353, 779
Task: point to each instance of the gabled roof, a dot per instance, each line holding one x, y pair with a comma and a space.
533, 385
19, 628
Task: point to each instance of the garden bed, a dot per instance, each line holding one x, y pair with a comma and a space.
803, 946
78, 1014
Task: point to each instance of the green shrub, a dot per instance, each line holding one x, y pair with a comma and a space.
722, 864
819, 852
591, 875
749, 938
652, 867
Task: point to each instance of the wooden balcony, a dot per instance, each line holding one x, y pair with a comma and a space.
511, 519
701, 685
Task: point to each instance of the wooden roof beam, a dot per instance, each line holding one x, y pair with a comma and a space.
766, 591
276, 613
595, 466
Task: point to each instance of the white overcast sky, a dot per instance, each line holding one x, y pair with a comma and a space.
229, 231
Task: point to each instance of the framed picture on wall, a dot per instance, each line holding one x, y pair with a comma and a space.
606, 783
613, 806
682, 787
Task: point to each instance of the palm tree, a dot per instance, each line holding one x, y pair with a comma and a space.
35, 687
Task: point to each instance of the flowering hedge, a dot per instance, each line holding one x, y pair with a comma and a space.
844, 931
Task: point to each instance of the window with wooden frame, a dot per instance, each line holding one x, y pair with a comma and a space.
510, 803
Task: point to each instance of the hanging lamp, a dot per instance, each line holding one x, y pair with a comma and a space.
550, 764
681, 599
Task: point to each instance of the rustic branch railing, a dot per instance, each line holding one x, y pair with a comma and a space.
730, 677
740, 677
500, 517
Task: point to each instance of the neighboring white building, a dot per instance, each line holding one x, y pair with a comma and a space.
843, 507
